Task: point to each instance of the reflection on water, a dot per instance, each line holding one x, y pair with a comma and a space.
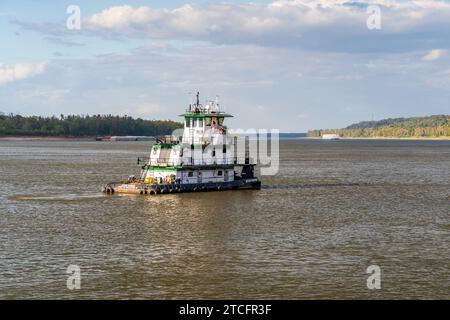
312, 185
311, 232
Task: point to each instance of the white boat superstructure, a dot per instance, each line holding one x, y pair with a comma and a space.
201, 156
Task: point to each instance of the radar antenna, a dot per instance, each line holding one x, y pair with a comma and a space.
216, 102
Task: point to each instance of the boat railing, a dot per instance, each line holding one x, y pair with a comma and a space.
142, 160
169, 162
164, 162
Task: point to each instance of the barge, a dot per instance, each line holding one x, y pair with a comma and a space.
199, 157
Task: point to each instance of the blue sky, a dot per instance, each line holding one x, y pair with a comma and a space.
288, 64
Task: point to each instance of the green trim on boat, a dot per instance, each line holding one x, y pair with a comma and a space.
205, 115
159, 168
165, 146
188, 167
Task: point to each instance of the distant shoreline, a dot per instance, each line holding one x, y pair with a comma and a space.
44, 138
387, 138
88, 138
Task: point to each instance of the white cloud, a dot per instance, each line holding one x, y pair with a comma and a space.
318, 25
120, 17
434, 54
19, 71
190, 20
332, 25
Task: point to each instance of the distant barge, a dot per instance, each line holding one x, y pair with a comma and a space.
125, 138
201, 158
331, 136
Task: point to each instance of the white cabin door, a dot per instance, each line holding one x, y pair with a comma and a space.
225, 175
199, 177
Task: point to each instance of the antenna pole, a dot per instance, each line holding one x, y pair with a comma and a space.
190, 100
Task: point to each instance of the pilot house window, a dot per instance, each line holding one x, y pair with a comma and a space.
188, 123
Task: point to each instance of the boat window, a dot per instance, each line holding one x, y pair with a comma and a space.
220, 120
214, 153
219, 173
224, 149
188, 123
207, 122
200, 123
190, 174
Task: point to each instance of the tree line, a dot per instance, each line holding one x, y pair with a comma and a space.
84, 125
431, 126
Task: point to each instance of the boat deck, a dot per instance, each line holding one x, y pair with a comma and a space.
154, 189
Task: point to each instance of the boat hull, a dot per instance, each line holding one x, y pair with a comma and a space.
153, 189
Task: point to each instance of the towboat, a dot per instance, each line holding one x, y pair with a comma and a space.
199, 157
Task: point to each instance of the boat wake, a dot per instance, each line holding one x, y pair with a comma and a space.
61, 197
